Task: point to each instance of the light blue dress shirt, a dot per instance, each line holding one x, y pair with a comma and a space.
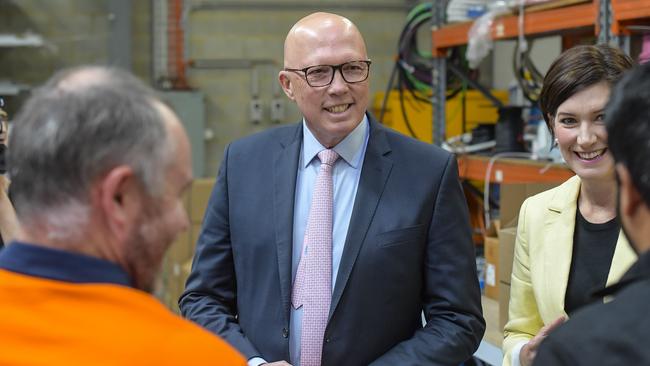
345, 179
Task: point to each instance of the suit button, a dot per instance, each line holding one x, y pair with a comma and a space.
327, 340
285, 333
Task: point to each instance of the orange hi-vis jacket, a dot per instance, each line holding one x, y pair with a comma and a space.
46, 321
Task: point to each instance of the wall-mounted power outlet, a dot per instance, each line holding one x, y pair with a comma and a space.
277, 110
255, 111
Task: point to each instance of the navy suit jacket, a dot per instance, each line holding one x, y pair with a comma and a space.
408, 250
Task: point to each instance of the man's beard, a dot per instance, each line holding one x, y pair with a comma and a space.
144, 251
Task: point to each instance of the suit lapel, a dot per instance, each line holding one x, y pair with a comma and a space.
284, 187
374, 174
623, 258
559, 227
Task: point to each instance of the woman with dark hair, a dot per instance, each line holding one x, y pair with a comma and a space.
569, 242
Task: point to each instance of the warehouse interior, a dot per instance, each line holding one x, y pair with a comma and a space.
434, 77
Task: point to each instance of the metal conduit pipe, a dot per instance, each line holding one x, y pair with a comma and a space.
297, 5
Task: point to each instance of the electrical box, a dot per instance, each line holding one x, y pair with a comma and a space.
463, 113
255, 111
277, 110
190, 108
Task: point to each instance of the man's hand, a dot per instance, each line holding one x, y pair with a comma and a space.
529, 351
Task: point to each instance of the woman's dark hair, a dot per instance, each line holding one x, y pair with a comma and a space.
577, 69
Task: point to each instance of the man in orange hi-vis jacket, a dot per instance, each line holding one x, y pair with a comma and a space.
98, 166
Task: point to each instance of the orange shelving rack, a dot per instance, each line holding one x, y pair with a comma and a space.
507, 171
609, 19
549, 21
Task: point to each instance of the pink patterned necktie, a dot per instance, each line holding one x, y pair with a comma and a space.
312, 288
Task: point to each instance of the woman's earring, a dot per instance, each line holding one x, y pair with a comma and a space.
555, 142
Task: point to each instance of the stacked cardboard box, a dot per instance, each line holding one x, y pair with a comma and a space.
512, 196
177, 262
491, 252
506, 251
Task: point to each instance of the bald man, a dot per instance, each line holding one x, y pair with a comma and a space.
342, 280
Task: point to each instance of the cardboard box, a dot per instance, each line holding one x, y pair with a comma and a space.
199, 197
493, 333
513, 195
172, 280
181, 249
491, 250
504, 302
178, 258
506, 247
176, 267
511, 198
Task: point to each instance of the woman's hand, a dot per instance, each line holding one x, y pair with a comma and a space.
529, 350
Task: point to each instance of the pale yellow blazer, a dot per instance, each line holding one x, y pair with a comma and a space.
542, 260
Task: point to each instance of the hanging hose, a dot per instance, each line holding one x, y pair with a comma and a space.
411, 73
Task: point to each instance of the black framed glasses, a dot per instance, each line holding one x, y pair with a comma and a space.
323, 75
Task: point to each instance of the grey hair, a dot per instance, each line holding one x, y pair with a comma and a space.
79, 125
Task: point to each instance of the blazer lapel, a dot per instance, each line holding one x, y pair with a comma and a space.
559, 227
375, 171
623, 258
284, 185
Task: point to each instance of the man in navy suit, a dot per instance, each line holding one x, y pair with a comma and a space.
401, 242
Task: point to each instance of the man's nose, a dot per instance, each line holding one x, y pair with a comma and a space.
338, 84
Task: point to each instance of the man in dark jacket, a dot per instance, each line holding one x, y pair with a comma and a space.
295, 266
616, 333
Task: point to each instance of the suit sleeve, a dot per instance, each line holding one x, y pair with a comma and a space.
209, 298
556, 351
451, 295
524, 320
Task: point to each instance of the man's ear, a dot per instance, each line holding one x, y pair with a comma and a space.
119, 196
285, 83
630, 199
